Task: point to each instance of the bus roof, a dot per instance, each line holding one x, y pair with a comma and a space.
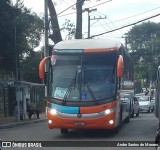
88, 44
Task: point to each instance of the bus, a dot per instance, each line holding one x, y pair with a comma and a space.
157, 107
157, 95
85, 78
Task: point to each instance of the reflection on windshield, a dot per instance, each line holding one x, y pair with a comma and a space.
64, 83
100, 81
144, 98
77, 80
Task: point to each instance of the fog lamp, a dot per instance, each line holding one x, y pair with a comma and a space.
49, 121
111, 122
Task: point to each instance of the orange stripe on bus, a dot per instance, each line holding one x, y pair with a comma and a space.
100, 50
95, 109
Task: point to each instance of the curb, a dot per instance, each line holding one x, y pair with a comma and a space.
11, 125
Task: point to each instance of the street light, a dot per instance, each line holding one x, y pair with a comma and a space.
89, 11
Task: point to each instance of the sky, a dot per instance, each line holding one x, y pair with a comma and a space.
117, 12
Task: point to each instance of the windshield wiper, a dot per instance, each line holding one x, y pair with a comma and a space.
69, 89
90, 91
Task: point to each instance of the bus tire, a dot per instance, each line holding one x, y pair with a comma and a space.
149, 110
153, 109
127, 120
132, 115
137, 114
64, 131
116, 130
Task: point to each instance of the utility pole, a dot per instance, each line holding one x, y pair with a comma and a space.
46, 28
89, 18
95, 18
79, 4
152, 48
46, 52
16, 62
126, 41
89, 11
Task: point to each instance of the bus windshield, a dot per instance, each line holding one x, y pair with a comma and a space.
85, 77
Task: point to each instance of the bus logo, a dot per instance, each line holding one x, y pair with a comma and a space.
79, 115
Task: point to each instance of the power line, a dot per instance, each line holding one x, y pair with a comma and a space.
125, 26
68, 8
94, 23
131, 16
137, 14
105, 27
66, 2
111, 28
100, 4
110, 22
67, 14
75, 12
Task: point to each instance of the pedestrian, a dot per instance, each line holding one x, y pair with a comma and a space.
31, 109
15, 110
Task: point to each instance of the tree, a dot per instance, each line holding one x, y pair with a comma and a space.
6, 38
69, 27
144, 45
29, 67
56, 35
20, 32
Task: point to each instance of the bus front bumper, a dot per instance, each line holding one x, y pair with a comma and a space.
108, 121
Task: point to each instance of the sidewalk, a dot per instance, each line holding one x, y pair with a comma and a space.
10, 122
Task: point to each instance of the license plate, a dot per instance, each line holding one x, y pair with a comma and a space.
79, 123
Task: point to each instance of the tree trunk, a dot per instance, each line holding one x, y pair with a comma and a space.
56, 36
79, 19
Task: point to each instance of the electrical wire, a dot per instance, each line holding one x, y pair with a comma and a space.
126, 25
75, 12
110, 22
105, 27
130, 16
100, 4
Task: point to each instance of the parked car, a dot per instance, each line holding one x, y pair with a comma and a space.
140, 94
146, 103
134, 104
125, 109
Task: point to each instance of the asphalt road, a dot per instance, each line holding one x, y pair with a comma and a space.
142, 128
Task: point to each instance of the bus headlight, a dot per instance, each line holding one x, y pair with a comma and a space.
107, 111
53, 111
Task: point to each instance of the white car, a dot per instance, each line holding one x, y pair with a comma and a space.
134, 104
146, 104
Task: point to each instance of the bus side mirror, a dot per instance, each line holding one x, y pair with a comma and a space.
120, 66
42, 66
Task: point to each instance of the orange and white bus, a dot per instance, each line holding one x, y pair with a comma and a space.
84, 84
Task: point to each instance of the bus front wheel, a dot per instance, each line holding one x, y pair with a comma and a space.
127, 120
116, 130
64, 131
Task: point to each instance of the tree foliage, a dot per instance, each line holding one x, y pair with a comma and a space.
20, 31
29, 67
69, 27
144, 46
56, 35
